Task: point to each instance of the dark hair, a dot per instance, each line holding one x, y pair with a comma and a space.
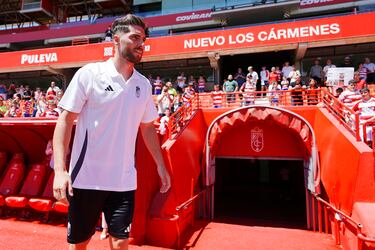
122, 24
364, 90
352, 82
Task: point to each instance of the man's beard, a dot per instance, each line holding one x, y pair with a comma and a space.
128, 55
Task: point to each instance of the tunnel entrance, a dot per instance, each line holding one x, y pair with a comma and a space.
260, 192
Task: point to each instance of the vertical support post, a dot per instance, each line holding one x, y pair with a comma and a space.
326, 226
320, 217
313, 213
308, 215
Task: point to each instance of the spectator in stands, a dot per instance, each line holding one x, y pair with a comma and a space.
231, 86
274, 77
11, 91
279, 74
366, 109
328, 66
13, 111
53, 89
360, 83
27, 92
108, 34
274, 92
188, 94
316, 72
150, 79
17, 99
59, 95
286, 70
158, 84
294, 74
3, 107
193, 81
164, 122
41, 105
297, 93
27, 105
217, 96
370, 71
20, 90
264, 78
181, 82
240, 77
349, 95
284, 83
248, 91
254, 75
362, 71
347, 63
312, 92
338, 92
164, 101
201, 84
37, 93
3, 91
51, 111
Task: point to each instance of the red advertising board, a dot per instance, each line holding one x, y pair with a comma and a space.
317, 3
179, 18
324, 29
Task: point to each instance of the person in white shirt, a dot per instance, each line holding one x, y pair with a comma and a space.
286, 70
254, 74
328, 66
112, 101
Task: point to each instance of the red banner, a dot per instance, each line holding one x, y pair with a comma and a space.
324, 29
317, 3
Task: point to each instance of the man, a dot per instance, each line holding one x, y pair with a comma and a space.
240, 77
347, 63
230, 86
53, 89
111, 101
366, 109
316, 72
253, 74
370, 68
286, 70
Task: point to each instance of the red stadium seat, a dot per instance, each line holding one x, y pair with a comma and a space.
32, 186
13, 176
3, 161
45, 203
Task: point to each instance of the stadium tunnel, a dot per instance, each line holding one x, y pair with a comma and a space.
261, 163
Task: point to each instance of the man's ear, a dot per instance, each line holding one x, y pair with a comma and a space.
116, 39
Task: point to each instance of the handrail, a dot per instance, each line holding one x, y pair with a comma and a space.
359, 234
189, 201
345, 115
369, 122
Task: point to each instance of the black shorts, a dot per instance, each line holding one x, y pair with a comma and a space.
85, 208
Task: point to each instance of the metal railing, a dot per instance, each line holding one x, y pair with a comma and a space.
345, 115
297, 97
331, 213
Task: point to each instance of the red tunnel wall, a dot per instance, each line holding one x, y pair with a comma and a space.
278, 141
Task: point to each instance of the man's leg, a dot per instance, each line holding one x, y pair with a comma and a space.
118, 244
118, 212
79, 246
85, 208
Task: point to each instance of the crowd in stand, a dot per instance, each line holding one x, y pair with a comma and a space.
22, 101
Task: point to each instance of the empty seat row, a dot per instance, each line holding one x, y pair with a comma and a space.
34, 191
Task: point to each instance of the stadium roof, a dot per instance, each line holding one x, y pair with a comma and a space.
13, 11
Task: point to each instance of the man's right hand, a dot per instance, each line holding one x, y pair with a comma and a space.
61, 183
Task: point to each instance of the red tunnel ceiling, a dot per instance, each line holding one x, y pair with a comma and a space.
261, 132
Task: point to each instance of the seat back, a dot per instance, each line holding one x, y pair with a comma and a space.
33, 184
3, 161
48, 190
13, 176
